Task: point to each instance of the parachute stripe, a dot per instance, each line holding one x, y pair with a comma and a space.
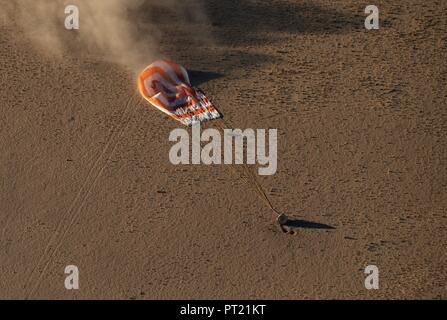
174, 73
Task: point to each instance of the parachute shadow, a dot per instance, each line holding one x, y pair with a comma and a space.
198, 78
247, 22
296, 223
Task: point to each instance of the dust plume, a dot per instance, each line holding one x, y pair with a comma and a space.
127, 32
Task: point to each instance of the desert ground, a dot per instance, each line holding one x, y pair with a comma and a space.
362, 149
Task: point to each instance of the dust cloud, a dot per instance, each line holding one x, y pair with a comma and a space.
126, 32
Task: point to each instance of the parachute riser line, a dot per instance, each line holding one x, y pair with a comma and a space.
281, 218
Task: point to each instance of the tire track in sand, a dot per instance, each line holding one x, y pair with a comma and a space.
75, 208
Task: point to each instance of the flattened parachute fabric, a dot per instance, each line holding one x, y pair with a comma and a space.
166, 86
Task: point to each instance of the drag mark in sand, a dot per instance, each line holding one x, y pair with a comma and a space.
73, 212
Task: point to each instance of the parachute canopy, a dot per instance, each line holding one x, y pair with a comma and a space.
165, 84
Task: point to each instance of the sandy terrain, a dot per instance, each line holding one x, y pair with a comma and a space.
362, 122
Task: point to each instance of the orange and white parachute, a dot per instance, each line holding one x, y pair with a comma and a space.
166, 85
